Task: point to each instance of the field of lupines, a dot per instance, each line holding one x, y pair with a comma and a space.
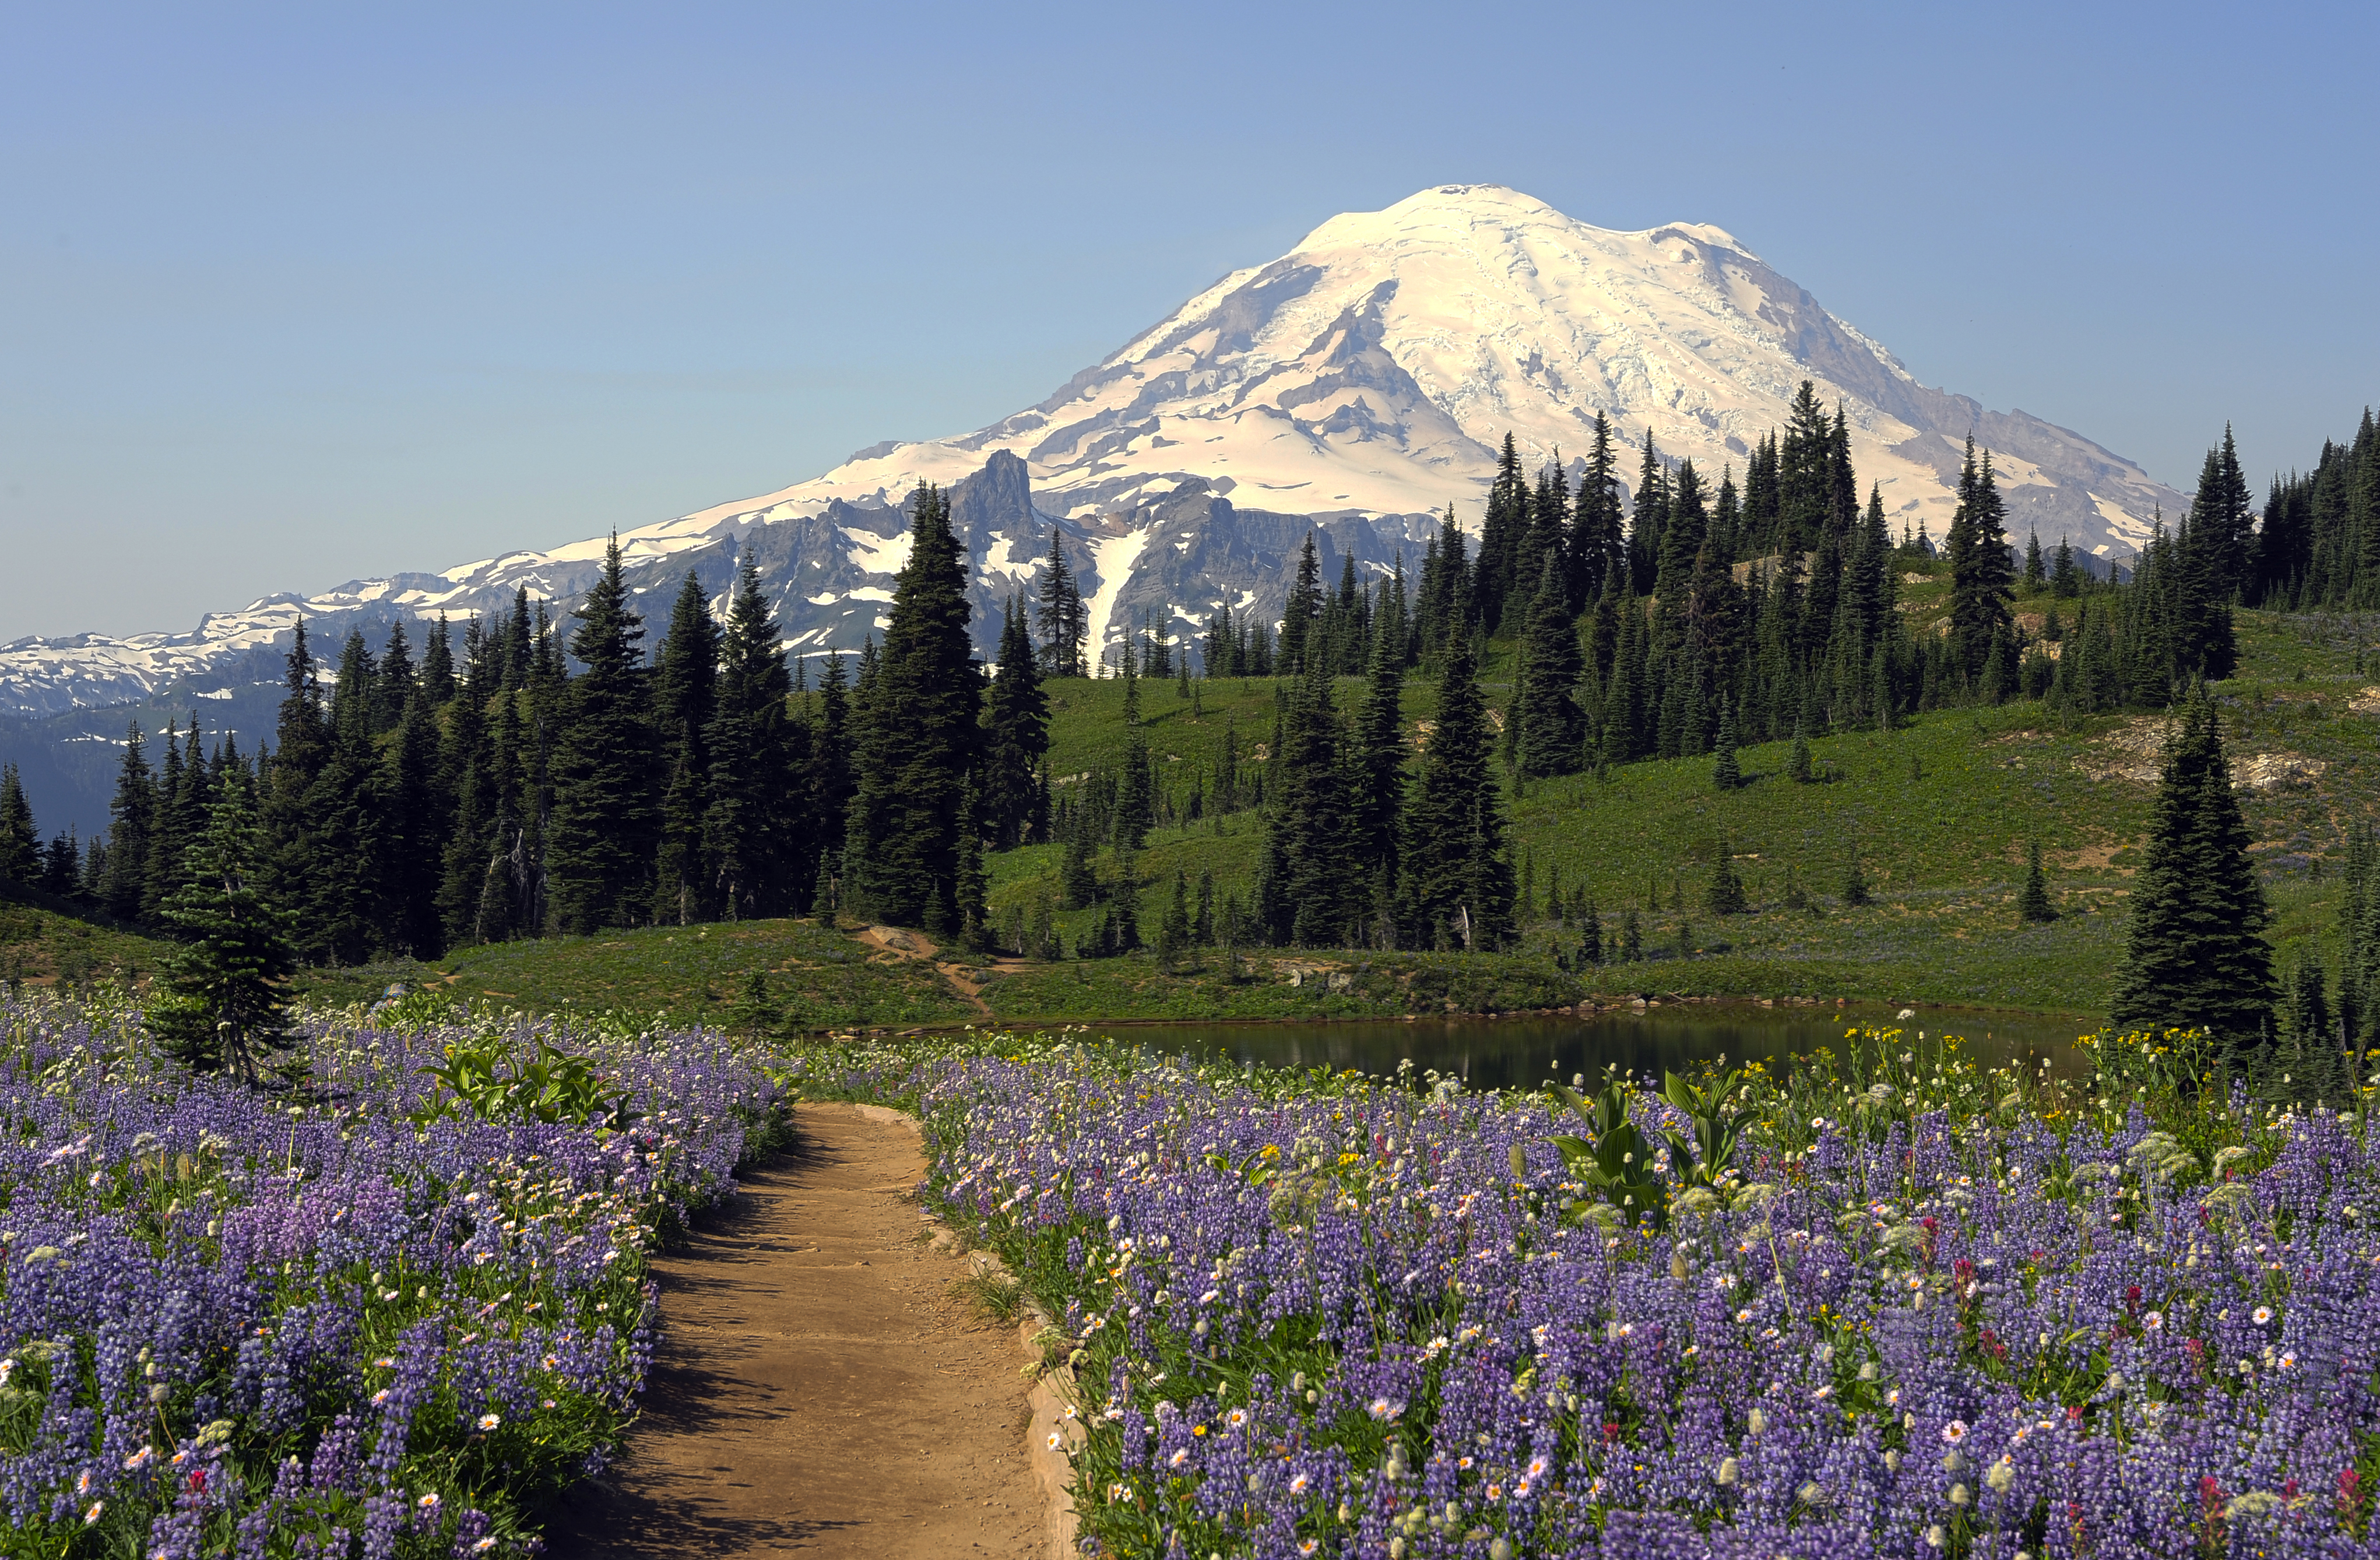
1926, 1310
353, 1318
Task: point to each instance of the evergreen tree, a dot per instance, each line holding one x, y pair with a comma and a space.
1726, 774
470, 779
1378, 783
1017, 738
2307, 1017
62, 866
127, 832
2032, 904
1456, 873
170, 829
831, 748
2196, 956
1981, 611
1306, 896
750, 828
301, 748
1548, 729
394, 681
438, 666
2222, 520
1135, 799
21, 854
1173, 926
1303, 608
599, 842
419, 815
970, 884
1855, 891
340, 901
918, 736
228, 978
1598, 542
685, 697
1059, 616
1797, 760
1500, 540
1725, 896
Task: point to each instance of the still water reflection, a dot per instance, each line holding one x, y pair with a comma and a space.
1523, 1053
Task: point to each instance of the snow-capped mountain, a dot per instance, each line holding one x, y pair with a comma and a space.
1355, 386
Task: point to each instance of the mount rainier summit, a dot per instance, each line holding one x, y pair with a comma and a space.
1355, 386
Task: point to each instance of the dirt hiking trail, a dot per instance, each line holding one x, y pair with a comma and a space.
819, 1390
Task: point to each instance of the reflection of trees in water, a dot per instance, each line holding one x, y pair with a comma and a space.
1523, 1053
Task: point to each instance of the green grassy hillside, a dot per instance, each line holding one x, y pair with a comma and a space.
45, 942
1938, 814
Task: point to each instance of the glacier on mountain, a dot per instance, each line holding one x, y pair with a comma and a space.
1357, 385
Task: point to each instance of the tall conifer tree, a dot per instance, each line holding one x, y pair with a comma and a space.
919, 736
1017, 738
1458, 879
601, 837
2196, 956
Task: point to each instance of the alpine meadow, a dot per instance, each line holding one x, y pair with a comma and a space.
628, 1049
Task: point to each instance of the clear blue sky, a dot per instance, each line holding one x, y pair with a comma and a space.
293, 296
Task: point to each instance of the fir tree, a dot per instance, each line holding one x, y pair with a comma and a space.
62, 865
438, 665
1378, 783
1306, 894
685, 691
970, 884
2196, 956
2307, 1017
1726, 774
1059, 616
1797, 760
228, 978
1855, 893
1017, 736
1725, 895
1631, 938
340, 901
20, 856
750, 829
1548, 729
1303, 608
1135, 802
918, 736
2032, 904
601, 839
301, 748
127, 832
1456, 873
417, 816
831, 748
1981, 611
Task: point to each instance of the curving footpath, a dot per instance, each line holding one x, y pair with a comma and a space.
820, 1391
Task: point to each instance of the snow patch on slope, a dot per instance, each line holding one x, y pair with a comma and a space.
1116, 555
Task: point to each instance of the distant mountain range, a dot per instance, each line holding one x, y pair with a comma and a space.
1355, 386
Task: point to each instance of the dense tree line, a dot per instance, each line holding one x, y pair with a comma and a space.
553, 778
546, 777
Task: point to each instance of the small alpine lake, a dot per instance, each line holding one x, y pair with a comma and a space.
1524, 1052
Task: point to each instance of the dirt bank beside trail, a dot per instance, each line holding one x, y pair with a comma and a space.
820, 1391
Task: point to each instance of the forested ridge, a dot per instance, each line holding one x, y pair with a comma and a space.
529, 776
